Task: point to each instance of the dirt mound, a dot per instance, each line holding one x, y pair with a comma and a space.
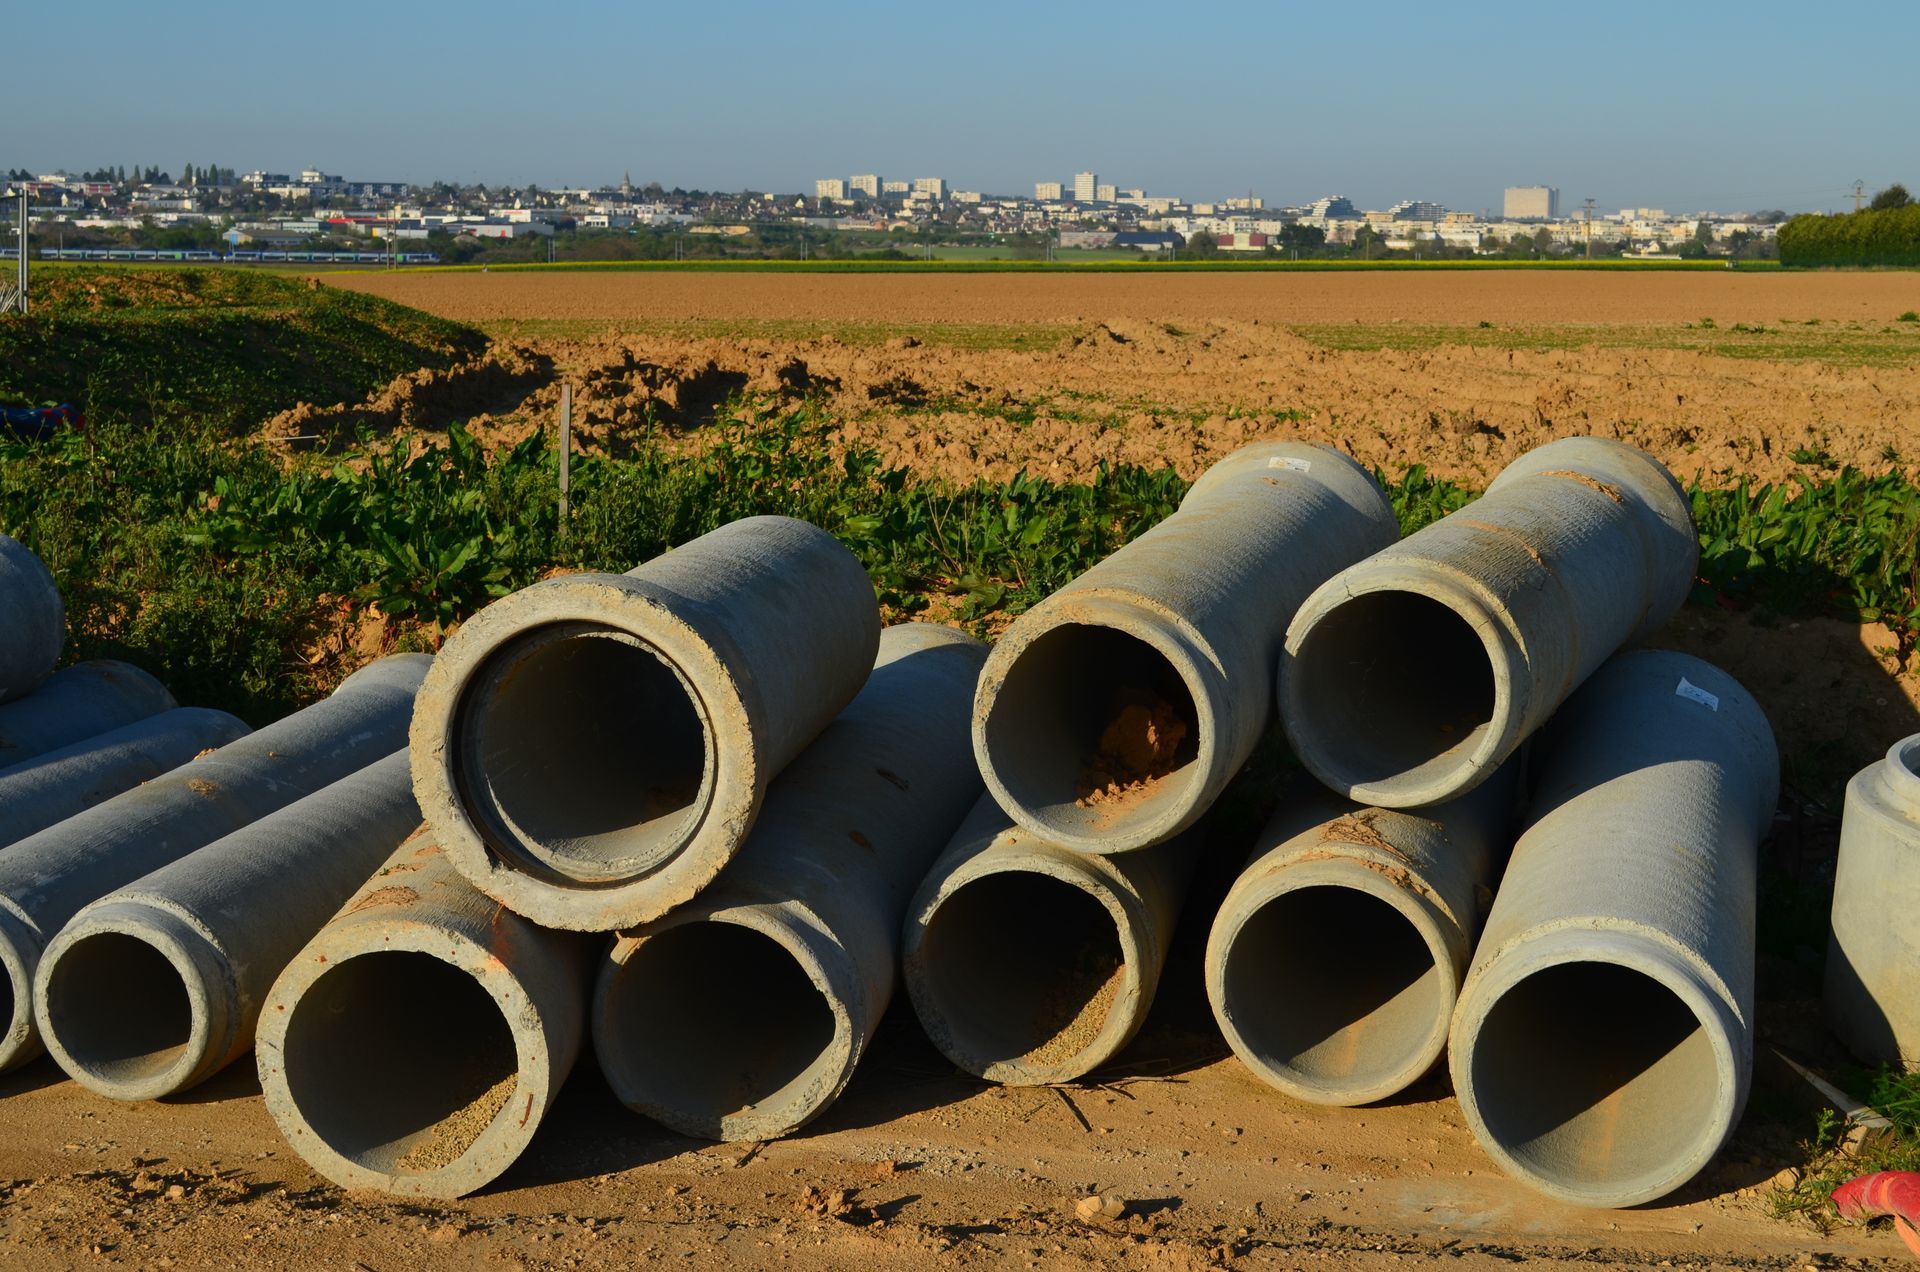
497, 382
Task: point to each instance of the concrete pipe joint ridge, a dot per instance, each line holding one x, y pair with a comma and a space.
590, 751
742, 1015
1603, 1043
1873, 959
1028, 963
416, 1043
1336, 959
1113, 713
1409, 677
77, 703
33, 622
49, 877
157, 986
52, 787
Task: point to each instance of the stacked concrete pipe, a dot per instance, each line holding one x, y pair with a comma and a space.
1030, 963
1112, 714
50, 788
590, 751
157, 986
47, 878
1873, 958
415, 1044
33, 623
1411, 676
77, 703
742, 1015
1602, 1046
1336, 959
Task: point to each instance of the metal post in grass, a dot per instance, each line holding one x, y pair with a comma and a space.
566, 452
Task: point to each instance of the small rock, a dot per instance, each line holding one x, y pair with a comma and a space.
1104, 1208
176, 1193
444, 1233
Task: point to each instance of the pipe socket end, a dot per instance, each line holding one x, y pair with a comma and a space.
135, 1002
584, 755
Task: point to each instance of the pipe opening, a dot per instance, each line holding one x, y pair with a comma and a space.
1335, 987
118, 1007
1021, 968
1391, 685
1907, 755
399, 1061
583, 749
1594, 1075
1092, 729
715, 1020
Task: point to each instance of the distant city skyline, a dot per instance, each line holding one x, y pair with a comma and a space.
1701, 110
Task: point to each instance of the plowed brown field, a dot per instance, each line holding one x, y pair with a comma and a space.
1721, 375
1548, 297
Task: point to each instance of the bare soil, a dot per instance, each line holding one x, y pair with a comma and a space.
1501, 296
1181, 369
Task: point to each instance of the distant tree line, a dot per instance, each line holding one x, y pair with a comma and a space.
1885, 233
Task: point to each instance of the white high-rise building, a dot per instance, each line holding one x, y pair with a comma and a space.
1085, 186
1049, 191
867, 184
1531, 203
1105, 193
830, 188
930, 187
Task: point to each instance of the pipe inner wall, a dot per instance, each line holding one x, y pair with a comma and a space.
585, 753
1022, 968
399, 1061
1394, 684
120, 1007
1335, 989
1593, 1076
1094, 727
711, 1019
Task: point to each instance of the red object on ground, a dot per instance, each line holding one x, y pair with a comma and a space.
1885, 1192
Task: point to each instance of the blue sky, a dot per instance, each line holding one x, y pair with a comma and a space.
1729, 106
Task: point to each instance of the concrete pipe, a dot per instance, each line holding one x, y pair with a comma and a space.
157, 986
77, 703
33, 622
1411, 676
590, 751
1603, 1042
1336, 959
1873, 960
50, 788
47, 878
1028, 963
741, 1015
1113, 713
417, 1042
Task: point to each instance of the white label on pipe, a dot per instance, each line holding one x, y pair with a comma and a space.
1288, 461
1687, 689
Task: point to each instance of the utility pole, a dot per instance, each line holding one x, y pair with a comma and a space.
1859, 193
1589, 229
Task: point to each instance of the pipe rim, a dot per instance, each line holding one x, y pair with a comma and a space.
20, 951
1429, 782
187, 951
1901, 771
498, 1145
1258, 889
821, 1083
1092, 875
731, 783
1171, 811
1635, 951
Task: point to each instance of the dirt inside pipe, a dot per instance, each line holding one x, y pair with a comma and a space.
1139, 746
1073, 1015
448, 1141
